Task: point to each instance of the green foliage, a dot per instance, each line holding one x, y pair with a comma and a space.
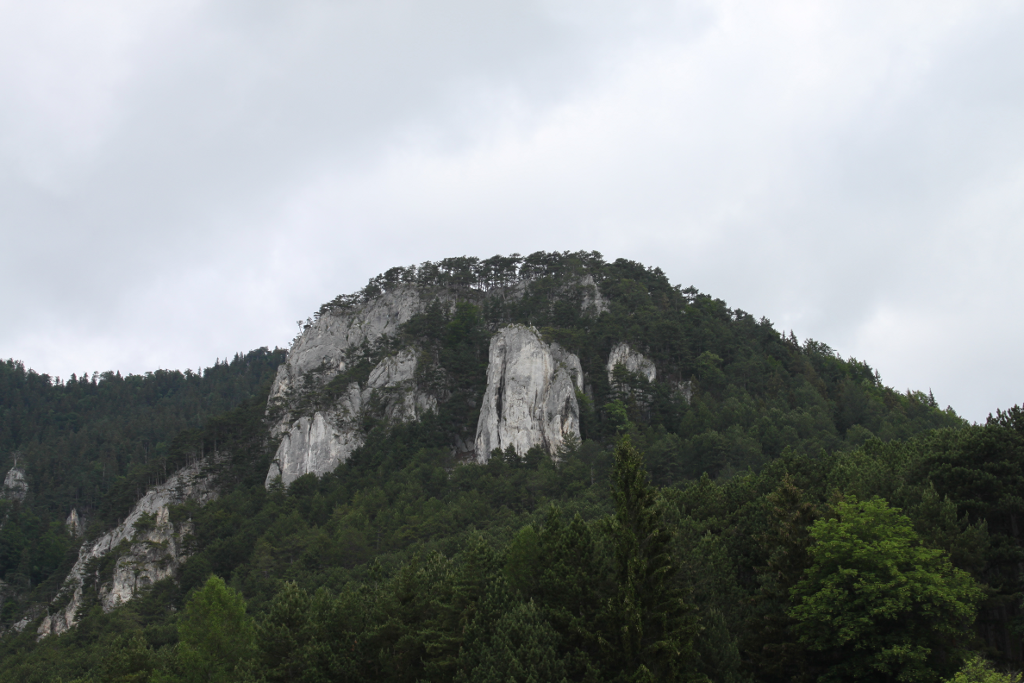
97, 443
145, 523
215, 636
772, 642
520, 647
876, 603
978, 670
754, 391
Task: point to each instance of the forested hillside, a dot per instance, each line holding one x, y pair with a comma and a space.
762, 510
93, 444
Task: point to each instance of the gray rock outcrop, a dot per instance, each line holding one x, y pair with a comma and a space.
530, 399
154, 554
593, 303
318, 440
684, 390
631, 360
327, 342
15, 485
31, 614
318, 444
148, 542
311, 446
75, 524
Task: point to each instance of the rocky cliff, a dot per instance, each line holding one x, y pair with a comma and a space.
327, 343
15, 485
318, 440
75, 523
148, 544
530, 399
593, 303
633, 361
318, 435
319, 443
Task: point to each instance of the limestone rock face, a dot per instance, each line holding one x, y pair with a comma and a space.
327, 341
593, 303
311, 446
320, 443
30, 615
685, 390
15, 485
153, 555
395, 379
75, 524
318, 440
152, 548
530, 399
633, 361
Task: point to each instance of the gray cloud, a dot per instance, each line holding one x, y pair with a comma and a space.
180, 181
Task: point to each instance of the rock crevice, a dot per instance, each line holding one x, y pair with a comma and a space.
530, 398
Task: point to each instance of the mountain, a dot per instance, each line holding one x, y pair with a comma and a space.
715, 389
551, 466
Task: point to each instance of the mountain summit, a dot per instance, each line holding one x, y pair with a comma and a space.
524, 352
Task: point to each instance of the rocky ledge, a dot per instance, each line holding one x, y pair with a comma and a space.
150, 548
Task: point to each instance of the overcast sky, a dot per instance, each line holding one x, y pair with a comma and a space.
184, 179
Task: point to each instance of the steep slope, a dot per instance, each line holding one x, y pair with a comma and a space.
318, 444
89, 449
360, 357
339, 368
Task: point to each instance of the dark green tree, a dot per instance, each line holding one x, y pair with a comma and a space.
649, 628
519, 647
571, 583
772, 648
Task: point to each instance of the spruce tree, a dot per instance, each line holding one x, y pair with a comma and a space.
649, 628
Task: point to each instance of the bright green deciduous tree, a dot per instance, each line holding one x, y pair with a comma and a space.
215, 634
977, 670
876, 603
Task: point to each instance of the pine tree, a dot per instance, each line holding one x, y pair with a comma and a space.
519, 647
